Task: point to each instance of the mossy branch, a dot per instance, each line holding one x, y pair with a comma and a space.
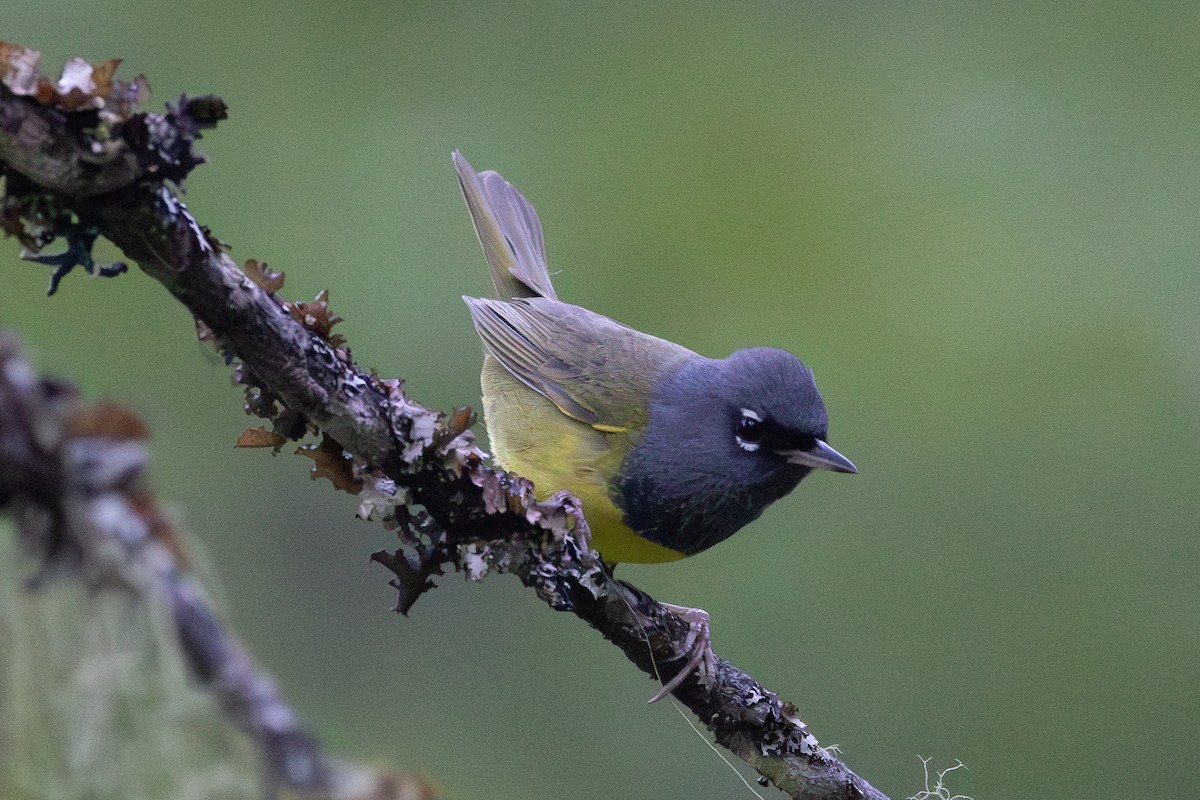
84, 161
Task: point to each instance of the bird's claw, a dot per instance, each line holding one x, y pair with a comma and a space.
698, 646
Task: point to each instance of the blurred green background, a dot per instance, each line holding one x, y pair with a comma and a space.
977, 224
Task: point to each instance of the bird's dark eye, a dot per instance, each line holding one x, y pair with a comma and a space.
750, 430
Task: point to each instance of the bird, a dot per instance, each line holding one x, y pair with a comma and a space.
669, 451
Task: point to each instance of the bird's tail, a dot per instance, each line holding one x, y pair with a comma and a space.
509, 232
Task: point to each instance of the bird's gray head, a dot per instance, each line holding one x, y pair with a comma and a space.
725, 439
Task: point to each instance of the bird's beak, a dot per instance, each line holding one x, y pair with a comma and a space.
821, 456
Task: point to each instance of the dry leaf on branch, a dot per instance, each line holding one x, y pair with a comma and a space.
267, 280
330, 461
317, 317
260, 437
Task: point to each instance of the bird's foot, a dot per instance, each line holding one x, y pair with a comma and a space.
697, 645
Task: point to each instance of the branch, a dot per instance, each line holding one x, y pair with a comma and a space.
72, 476
378, 443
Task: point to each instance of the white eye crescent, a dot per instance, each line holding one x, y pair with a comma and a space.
749, 430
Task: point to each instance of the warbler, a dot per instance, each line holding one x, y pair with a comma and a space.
670, 452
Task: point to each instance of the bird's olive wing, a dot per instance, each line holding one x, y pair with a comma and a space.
594, 369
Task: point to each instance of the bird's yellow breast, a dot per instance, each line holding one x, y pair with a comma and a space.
530, 436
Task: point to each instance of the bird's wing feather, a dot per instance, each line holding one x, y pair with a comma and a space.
594, 369
509, 232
